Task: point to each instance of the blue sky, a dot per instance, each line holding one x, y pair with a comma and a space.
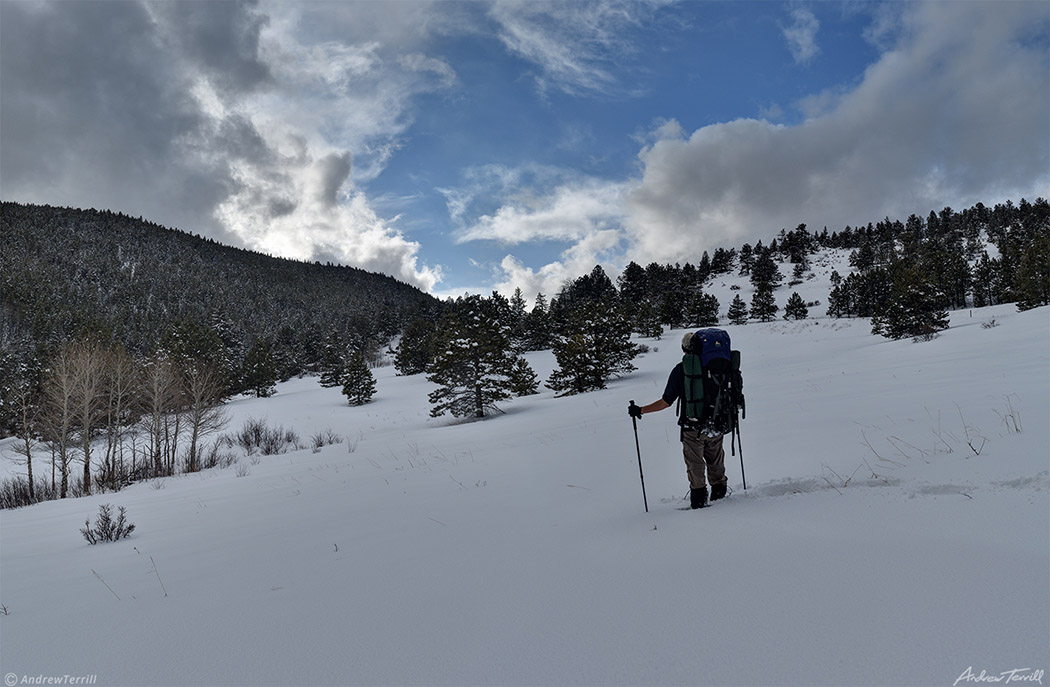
472, 146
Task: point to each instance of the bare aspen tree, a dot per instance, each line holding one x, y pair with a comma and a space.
172, 432
121, 398
26, 401
204, 388
58, 415
161, 393
89, 367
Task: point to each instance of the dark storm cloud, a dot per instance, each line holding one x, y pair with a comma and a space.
213, 117
220, 38
236, 136
333, 171
97, 110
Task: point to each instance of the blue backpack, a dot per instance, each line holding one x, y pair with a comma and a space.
713, 391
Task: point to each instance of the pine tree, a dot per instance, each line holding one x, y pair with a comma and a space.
864, 258
472, 362
1032, 280
722, 261
986, 282
518, 316
190, 343
703, 269
647, 320
763, 306
523, 380
538, 326
747, 257
703, 310
798, 273
737, 311
861, 294
796, 308
413, 352
260, 370
765, 272
672, 308
633, 285
839, 302
913, 307
333, 362
358, 383
594, 346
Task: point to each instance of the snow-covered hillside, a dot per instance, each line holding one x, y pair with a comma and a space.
872, 546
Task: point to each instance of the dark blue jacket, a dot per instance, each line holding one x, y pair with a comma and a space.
675, 388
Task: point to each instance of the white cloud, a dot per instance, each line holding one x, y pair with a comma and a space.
419, 62
327, 101
542, 204
801, 35
295, 209
602, 247
577, 46
953, 114
573, 212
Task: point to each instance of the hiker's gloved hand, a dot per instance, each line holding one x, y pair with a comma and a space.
634, 411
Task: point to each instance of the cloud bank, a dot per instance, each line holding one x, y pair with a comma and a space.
263, 124
221, 118
953, 112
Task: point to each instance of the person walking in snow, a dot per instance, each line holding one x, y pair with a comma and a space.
702, 445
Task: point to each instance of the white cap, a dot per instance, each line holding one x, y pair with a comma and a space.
687, 341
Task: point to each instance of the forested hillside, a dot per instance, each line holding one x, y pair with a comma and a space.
114, 327
70, 274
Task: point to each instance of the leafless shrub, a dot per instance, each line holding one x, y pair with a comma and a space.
256, 436
325, 438
1010, 417
106, 528
15, 492
972, 434
216, 457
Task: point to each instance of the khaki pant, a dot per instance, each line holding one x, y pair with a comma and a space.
703, 452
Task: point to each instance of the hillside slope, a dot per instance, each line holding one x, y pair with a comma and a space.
67, 272
872, 546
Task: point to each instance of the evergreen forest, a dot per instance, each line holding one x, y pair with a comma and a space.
115, 328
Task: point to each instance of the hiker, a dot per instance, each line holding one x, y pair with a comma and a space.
702, 433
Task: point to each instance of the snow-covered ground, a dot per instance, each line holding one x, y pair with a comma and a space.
872, 546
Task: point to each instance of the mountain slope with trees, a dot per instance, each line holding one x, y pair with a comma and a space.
70, 274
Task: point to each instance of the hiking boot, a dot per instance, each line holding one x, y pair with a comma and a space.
698, 498
718, 491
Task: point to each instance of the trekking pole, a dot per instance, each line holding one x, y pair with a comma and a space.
634, 421
740, 445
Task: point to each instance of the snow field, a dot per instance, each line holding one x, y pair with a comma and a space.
515, 550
